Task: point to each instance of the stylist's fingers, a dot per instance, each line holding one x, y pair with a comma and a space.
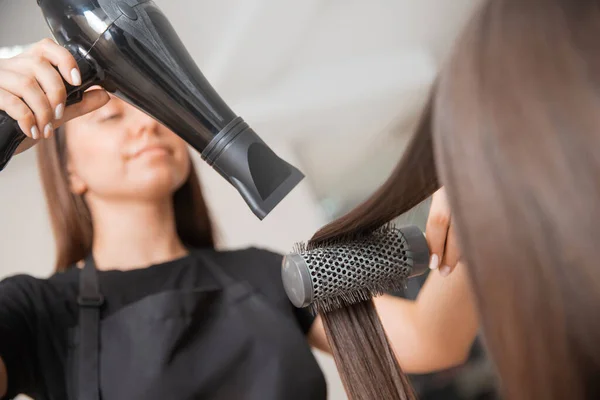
451, 253
18, 110
60, 57
48, 78
436, 229
27, 88
92, 100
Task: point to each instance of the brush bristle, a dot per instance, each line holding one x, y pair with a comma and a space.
346, 299
381, 256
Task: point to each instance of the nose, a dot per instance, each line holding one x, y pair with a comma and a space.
142, 123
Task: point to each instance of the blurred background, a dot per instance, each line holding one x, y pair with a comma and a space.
335, 87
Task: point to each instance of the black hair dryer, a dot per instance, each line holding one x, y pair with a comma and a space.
130, 49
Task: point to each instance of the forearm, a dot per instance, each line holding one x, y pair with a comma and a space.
447, 310
437, 330
434, 332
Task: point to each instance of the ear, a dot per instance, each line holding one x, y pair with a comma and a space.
76, 184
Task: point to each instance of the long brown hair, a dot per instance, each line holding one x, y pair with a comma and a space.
356, 329
515, 128
518, 147
70, 218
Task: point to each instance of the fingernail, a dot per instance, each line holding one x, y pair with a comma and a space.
76, 77
445, 271
58, 113
48, 130
35, 133
435, 261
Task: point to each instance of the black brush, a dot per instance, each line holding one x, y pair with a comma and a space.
335, 274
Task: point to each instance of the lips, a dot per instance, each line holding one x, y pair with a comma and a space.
149, 149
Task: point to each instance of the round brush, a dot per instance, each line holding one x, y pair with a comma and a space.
331, 275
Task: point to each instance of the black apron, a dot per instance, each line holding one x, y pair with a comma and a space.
227, 343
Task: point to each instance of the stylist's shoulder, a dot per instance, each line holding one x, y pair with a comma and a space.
33, 92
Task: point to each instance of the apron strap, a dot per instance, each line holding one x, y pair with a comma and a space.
90, 300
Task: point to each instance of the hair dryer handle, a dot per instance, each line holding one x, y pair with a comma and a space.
11, 134
11, 137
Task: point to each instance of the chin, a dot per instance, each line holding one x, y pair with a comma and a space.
158, 183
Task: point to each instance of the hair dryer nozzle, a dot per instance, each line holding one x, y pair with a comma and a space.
260, 176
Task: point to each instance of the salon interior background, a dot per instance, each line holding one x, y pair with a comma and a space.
334, 86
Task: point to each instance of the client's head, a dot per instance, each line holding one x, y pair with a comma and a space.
516, 129
513, 132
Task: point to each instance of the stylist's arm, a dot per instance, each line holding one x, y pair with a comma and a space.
435, 331
443, 320
33, 93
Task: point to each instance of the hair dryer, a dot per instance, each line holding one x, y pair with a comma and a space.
130, 49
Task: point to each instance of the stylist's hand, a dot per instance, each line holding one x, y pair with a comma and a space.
441, 236
33, 93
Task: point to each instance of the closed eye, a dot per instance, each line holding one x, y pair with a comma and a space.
111, 117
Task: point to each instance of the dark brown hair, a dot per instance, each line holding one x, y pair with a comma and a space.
71, 220
366, 361
515, 127
517, 142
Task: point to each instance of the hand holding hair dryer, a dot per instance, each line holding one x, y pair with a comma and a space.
130, 49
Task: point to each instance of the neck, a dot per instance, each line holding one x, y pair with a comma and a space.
131, 235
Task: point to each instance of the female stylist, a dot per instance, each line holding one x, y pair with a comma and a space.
142, 306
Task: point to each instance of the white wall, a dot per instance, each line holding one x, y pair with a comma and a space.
299, 73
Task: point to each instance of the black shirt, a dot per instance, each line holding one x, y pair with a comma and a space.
36, 315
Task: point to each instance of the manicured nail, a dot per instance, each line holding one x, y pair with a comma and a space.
76, 77
35, 133
48, 130
445, 271
58, 113
435, 262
